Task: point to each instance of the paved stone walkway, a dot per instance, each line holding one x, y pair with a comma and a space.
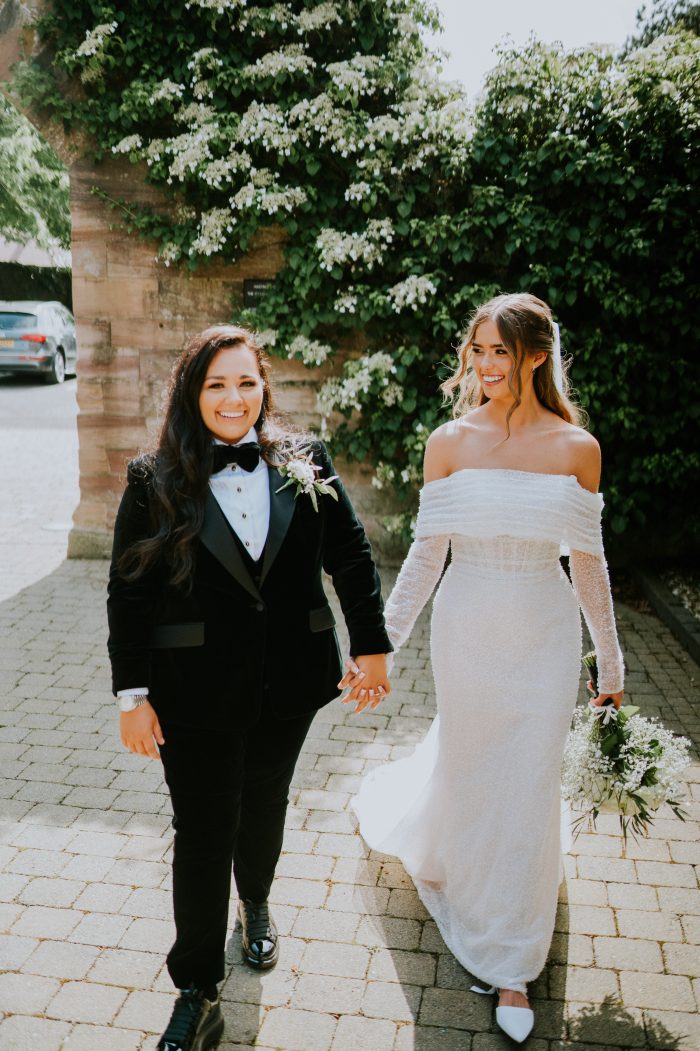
85, 901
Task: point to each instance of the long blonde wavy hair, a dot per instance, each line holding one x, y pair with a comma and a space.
525, 327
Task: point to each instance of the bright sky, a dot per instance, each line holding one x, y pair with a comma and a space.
474, 27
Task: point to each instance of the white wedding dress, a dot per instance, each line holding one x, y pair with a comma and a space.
474, 813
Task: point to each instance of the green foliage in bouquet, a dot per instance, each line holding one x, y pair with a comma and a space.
619, 762
402, 207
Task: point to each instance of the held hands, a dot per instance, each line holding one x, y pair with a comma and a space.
140, 731
367, 680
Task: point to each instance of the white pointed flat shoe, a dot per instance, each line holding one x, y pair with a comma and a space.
516, 1022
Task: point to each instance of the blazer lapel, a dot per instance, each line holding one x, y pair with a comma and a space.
216, 536
281, 511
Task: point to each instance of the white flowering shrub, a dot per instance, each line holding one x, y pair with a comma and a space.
128, 144
360, 75
359, 191
361, 375
214, 228
167, 91
93, 51
291, 59
401, 207
220, 7
336, 248
94, 39
310, 351
347, 302
413, 292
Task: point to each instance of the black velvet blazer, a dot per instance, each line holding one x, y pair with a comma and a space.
232, 649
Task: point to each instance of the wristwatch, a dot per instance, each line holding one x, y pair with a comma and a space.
134, 700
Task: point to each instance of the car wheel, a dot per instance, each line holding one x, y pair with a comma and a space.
58, 369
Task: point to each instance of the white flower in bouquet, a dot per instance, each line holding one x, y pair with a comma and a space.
619, 762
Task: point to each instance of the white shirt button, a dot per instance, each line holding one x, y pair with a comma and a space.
244, 498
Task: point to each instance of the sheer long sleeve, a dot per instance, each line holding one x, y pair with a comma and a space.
589, 576
414, 585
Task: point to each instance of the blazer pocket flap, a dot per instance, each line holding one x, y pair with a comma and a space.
174, 636
321, 619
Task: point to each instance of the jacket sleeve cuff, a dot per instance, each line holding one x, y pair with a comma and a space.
362, 643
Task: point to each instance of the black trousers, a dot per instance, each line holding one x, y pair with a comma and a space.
229, 791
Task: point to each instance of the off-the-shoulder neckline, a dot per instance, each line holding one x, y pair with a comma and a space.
510, 470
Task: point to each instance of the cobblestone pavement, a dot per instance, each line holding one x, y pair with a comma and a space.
84, 876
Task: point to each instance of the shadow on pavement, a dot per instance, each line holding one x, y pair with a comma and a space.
609, 1025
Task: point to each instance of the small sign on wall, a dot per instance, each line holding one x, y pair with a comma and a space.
254, 289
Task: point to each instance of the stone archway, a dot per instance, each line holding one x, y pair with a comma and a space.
133, 316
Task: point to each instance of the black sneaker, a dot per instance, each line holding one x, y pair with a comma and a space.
196, 1023
258, 935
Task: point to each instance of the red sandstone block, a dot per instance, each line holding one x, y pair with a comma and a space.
110, 425
116, 404
92, 334
116, 297
127, 257
88, 225
146, 334
207, 302
103, 487
89, 395
90, 514
118, 459
89, 259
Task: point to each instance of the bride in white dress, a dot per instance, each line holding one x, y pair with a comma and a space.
474, 814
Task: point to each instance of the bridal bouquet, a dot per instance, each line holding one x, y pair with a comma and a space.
619, 762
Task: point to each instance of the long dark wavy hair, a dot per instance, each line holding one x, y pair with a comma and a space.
177, 471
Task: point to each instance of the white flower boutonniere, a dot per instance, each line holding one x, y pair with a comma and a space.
302, 472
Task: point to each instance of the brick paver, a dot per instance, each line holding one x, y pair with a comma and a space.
84, 876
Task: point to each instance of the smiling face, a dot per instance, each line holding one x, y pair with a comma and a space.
494, 364
490, 360
232, 394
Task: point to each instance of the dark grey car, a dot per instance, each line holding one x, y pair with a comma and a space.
37, 337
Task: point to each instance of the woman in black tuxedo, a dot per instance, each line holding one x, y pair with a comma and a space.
223, 645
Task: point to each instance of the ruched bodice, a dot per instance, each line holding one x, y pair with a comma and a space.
487, 502
506, 556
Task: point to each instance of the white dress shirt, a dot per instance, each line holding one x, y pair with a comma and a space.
244, 497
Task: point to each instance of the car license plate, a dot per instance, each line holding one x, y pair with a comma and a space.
7, 342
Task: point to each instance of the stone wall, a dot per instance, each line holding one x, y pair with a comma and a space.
134, 316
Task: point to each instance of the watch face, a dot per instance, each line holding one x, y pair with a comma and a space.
127, 704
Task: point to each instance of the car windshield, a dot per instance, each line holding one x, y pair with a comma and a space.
14, 322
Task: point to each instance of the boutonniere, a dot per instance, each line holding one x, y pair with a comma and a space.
302, 472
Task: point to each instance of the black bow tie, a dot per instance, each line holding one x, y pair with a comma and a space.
246, 456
